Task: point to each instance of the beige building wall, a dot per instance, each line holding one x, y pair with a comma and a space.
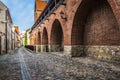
2, 27
5, 29
9, 33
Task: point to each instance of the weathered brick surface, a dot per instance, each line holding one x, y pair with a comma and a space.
88, 22
93, 25
38, 40
45, 37
100, 24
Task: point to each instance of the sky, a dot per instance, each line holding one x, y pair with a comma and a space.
22, 12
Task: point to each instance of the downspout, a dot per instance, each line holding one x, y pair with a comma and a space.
6, 28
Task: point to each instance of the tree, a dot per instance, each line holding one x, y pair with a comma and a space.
25, 39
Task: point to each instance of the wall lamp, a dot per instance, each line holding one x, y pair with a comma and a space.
3, 21
53, 13
64, 4
42, 24
47, 19
2, 34
39, 28
63, 16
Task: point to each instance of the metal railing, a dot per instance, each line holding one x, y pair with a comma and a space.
49, 9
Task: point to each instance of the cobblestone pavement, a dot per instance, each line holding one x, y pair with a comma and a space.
24, 65
9, 67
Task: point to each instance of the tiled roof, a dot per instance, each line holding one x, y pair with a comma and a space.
40, 5
16, 28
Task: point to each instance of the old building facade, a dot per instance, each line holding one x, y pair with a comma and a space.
9, 31
5, 29
79, 28
16, 37
26, 37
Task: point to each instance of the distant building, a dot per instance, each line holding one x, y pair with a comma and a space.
22, 38
39, 7
25, 37
17, 37
28, 36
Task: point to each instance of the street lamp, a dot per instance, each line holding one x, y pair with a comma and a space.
3, 21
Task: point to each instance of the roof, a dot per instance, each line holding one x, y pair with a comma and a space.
16, 29
36, 22
40, 5
3, 6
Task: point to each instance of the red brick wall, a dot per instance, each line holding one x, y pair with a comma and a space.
56, 33
101, 27
95, 24
38, 38
86, 21
45, 37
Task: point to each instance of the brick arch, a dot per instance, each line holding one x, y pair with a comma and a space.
49, 25
57, 37
31, 41
34, 38
116, 9
94, 24
34, 41
45, 40
112, 3
38, 38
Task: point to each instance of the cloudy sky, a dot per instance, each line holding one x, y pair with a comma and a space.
22, 12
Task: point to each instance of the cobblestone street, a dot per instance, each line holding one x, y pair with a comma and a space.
24, 65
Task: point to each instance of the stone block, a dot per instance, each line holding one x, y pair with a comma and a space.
44, 48
104, 52
77, 51
38, 48
56, 48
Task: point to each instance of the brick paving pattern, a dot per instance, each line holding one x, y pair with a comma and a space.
52, 66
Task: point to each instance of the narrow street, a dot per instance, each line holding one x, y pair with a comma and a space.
22, 64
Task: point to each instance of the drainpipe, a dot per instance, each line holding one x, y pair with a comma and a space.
6, 29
